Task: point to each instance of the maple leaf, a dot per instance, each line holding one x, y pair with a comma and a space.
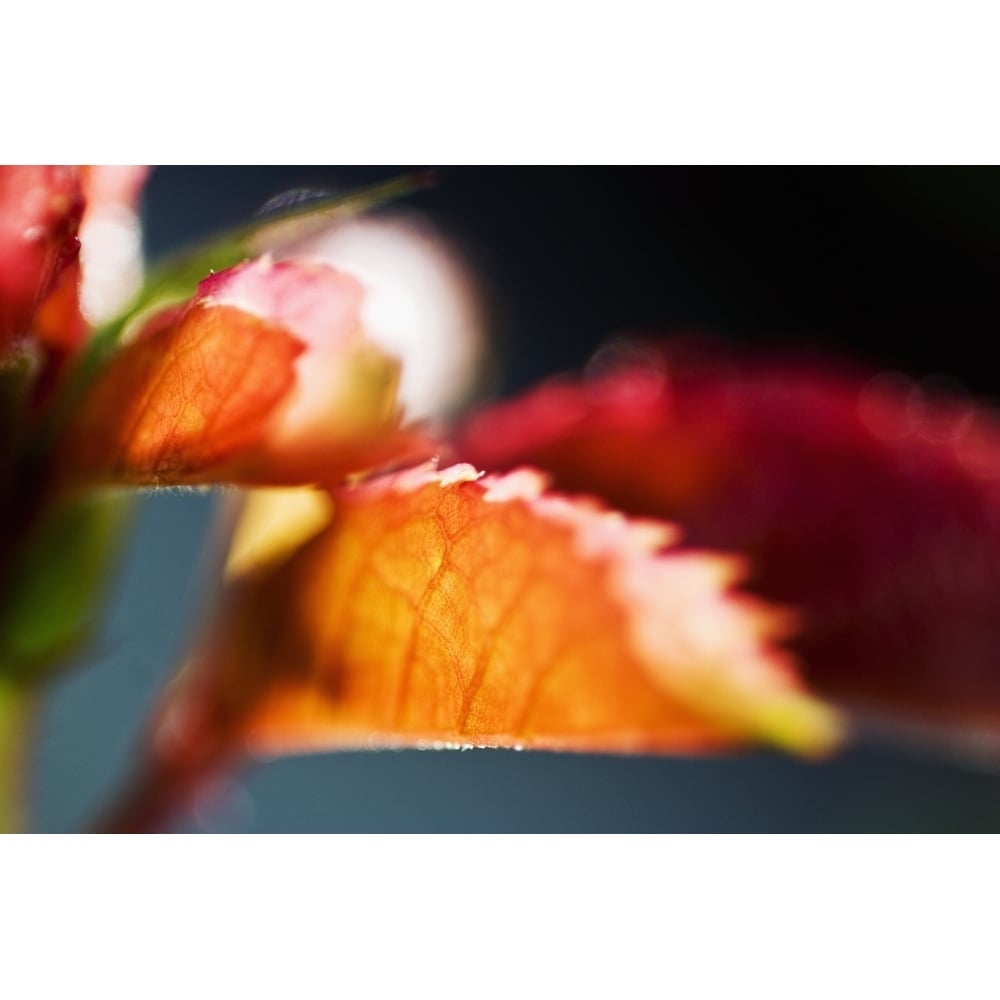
868, 504
443, 609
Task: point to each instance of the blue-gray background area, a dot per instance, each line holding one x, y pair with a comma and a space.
897, 267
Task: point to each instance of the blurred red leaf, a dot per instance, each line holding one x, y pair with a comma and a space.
869, 504
40, 210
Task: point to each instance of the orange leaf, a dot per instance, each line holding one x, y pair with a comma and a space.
443, 609
176, 403
265, 378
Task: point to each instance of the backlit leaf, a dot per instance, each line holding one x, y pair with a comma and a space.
176, 403
443, 609
266, 377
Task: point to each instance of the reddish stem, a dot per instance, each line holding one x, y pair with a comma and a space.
156, 794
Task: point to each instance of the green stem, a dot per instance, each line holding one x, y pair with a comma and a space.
16, 703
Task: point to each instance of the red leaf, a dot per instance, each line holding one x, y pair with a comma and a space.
869, 504
40, 210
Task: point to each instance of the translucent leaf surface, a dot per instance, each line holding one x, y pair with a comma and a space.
443, 609
176, 403
265, 377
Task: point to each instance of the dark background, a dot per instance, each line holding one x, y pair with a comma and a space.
898, 267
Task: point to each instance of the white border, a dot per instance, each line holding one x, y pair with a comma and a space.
505, 917
446, 82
